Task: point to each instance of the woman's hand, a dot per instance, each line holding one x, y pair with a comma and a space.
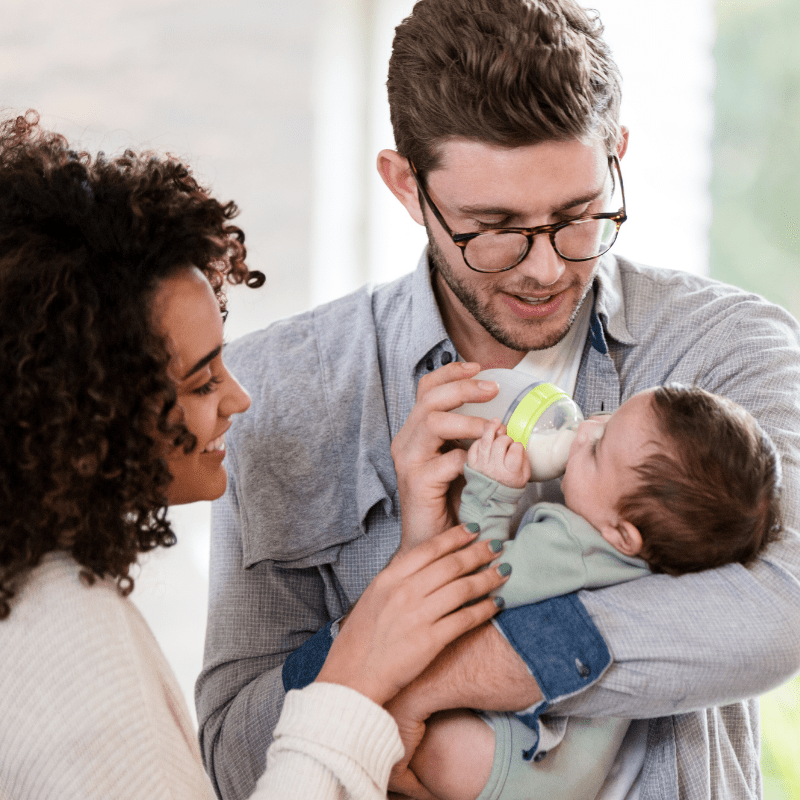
411, 611
425, 463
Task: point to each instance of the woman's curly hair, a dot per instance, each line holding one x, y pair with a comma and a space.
84, 243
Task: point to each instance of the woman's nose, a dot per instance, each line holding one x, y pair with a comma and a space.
236, 401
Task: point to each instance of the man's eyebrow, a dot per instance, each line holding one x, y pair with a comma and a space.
477, 210
202, 362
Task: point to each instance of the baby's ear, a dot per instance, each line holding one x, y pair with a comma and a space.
624, 536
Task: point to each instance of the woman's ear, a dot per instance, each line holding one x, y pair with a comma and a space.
395, 171
624, 536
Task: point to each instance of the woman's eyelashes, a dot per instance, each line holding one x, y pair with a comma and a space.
208, 386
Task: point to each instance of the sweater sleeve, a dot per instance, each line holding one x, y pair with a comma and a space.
330, 742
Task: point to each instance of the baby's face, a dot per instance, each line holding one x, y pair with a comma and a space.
601, 460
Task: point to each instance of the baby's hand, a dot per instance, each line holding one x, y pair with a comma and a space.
499, 457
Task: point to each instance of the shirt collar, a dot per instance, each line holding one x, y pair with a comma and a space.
609, 304
428, 332
427, 329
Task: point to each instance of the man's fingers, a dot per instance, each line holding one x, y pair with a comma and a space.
446, 389
427, 430
456, 371
450, 425
438, 472
407, 785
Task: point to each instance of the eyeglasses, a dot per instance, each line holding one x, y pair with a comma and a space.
501, 249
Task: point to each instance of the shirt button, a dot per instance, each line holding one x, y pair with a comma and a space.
540, 755
446, 358
583, 670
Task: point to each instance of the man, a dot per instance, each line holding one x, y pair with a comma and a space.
506, 117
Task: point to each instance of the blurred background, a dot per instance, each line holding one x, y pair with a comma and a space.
281, 106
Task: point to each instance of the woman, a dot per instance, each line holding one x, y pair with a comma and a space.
116, 402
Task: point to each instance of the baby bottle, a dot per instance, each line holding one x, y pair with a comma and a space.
538, 415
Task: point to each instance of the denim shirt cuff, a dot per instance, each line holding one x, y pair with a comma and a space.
304, 664
559, 643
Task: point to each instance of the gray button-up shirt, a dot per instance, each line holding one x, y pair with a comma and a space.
311, 515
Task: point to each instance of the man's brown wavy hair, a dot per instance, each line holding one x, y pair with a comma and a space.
503, 72
84, 243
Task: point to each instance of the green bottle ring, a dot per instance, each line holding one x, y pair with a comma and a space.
522, 422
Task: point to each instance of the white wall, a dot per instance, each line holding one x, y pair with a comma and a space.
281, 106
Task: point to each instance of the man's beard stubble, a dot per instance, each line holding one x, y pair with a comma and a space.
469, 299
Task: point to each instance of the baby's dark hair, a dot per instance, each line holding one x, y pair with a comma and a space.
84, 244
712, 496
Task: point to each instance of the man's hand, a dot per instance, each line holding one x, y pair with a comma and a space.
402, 780
425, 461
499, 457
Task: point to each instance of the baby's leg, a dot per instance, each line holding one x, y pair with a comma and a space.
454, 759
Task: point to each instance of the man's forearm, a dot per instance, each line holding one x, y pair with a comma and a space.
479, 670
685, 643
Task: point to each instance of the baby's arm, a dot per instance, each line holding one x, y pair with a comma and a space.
454, 759
495, 467
499, 457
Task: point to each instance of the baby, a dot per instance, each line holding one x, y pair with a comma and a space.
677, 480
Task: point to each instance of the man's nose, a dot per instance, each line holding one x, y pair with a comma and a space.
542, 263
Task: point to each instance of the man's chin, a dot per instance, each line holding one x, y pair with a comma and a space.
543, 341
538, 334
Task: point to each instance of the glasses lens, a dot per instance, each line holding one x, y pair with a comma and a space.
492, 252
586, 238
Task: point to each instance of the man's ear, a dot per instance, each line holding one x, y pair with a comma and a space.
396, 174
624, 536
623, 143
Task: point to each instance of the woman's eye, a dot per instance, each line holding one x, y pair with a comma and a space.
208, 387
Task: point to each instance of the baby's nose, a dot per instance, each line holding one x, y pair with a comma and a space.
589, 430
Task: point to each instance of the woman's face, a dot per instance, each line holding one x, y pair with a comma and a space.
186, 310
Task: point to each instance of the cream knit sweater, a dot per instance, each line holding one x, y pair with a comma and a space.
90, 710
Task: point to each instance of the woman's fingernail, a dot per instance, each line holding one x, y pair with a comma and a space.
499, 602
472, 527
488, 386
496, 545
504, 570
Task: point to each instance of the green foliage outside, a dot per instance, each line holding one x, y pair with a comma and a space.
780, 728
755, 234
755, 185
